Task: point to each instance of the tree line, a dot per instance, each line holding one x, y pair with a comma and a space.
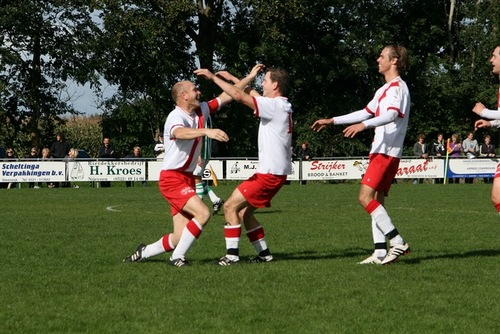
143, 47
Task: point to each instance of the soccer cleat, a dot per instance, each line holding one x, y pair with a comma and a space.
217, 206
395, 252
372, 259
261, 259
137, 256
226, 261
180, 262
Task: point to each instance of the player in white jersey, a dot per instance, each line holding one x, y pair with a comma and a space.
183, 131
274, 140
388, 113
481, 110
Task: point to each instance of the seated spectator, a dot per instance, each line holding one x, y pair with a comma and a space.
33, 155
420, 151
10, 155
455, 151
135, 155
47, 156
487, 150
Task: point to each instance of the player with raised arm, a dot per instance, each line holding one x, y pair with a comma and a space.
183, 131
274, 140
494, 116
388, 114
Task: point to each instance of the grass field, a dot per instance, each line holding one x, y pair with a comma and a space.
62, 269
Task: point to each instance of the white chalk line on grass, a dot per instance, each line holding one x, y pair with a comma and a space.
112, 208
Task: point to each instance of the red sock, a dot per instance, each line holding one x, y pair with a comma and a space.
498, 207
167, 243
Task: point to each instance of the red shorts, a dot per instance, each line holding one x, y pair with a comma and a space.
497, 172
381, 172
259, 189
177, 188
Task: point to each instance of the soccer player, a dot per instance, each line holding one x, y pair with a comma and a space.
183, 131
274, 140
481, 110
388, 114
202, 188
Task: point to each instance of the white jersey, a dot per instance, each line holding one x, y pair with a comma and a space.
275, 135
182, 155
388, 112
493, 114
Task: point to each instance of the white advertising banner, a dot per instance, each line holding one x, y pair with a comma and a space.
420, 168
472, 167
356, 168
106, 170
32, 171
333, 169
240, 169
154, 169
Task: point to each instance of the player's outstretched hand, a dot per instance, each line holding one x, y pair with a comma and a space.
203, 72
257, 69
320, 124
353, 130
227, 76
217, 134
482, 123
478, 108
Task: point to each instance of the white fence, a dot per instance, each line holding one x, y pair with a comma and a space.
234, 169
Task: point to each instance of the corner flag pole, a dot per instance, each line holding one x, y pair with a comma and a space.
214, 176
446, 160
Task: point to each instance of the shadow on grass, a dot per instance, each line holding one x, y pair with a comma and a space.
475, 253
308, 255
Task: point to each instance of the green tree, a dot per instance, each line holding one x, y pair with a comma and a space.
43, 44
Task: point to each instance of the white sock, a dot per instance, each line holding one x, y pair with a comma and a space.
378, 238
191, 232
153, 249
384, 223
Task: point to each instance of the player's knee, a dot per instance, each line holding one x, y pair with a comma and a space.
203, 216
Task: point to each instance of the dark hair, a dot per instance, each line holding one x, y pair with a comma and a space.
280, 76
399, 52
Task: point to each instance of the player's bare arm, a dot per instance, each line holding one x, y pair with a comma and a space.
478, 108
235, 92
482, 123
320, 124
352, 130
191, 133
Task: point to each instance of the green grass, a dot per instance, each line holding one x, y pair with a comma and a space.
62, 271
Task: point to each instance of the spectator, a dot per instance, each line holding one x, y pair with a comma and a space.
455, 151
420, 151
471, 149
33, 155
106, 152
439, 147
59, 148
439, 151
159, 149
135, 155
47, 156
487, 150
303, 152
10, 156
